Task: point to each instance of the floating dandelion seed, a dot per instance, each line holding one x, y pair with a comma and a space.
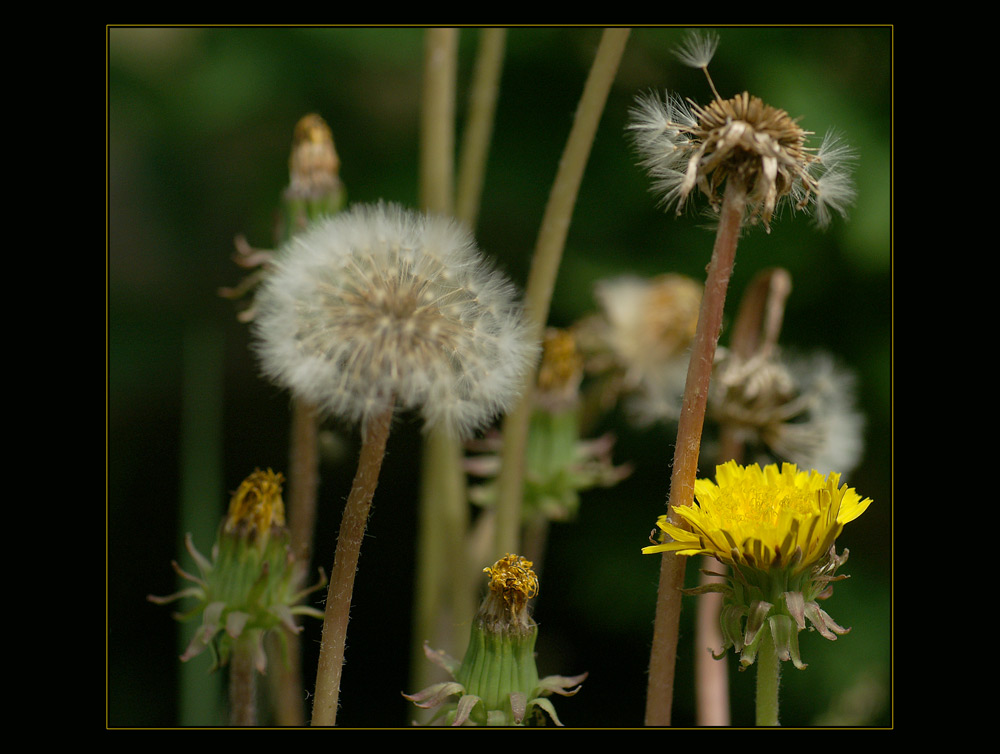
683, 145
380, 306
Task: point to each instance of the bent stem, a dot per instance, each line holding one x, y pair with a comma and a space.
663, 655
542, 276
375, 434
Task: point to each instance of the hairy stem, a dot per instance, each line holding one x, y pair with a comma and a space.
544, 268
662, 661
375, 434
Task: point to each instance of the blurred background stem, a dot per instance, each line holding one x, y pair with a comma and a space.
542, 277
202, 487
443, 516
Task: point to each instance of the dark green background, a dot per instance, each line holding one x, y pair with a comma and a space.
199, 129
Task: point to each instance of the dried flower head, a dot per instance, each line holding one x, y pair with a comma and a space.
801, 409
684, 145
313, 166
381, 306
644, 331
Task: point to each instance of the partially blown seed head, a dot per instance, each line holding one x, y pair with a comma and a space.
380, 306
683, 145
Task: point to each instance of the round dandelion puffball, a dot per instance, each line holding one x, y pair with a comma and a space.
381, 306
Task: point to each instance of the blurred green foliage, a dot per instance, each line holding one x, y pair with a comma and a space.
199, 130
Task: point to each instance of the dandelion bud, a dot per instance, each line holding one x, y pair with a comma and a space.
314, 186
252, 583
380, 306
497, 683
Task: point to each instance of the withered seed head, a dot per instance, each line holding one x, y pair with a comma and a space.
684, 145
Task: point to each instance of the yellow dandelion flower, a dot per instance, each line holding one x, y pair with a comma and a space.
763, 518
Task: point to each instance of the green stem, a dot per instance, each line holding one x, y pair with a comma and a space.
544, 268
443, 513
755, 330
479, 124
663, 655
375, 434
768, 680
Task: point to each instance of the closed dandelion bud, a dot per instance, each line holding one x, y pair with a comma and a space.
314, 185
497, 682
776, 529
252, 583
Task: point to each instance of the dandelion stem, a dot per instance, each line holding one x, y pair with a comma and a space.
442, 495
242, 685
660, 689
544, 268
755, 330
768, 680
479, 124
303, 480
375, 434
437, 127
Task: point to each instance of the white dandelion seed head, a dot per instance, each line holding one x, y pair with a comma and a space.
380, 306
697, 49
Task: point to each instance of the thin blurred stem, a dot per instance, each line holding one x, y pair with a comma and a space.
303, 478
711, 675
202, 696
479, 124
544, 268
662, 661
768, 680
242, 685
375, 434
443, 515
437, 121
303, 481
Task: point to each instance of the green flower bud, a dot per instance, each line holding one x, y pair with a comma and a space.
497, 682
252, 583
